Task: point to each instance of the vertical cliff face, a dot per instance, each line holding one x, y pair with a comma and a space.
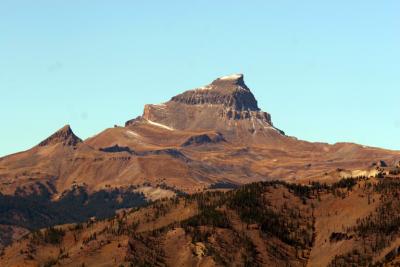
225, 105
229, 91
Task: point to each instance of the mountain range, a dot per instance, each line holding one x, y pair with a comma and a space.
213, 138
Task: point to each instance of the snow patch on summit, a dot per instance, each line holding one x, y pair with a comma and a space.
232, 77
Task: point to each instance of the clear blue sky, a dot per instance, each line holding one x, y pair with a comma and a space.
325, 71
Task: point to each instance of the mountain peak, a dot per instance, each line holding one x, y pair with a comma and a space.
225, 105
230, 91
64, 136
234, 80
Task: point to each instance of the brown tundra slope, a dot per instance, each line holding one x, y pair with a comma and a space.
353, 222
208, 137
210, 134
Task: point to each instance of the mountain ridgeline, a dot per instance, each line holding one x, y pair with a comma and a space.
199, 144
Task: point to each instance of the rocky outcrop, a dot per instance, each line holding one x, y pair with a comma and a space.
202, 139
132, 121
116, 148
64, 136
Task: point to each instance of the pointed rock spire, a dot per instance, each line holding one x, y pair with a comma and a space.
64, 136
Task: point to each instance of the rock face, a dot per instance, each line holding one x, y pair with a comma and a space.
226, 105
64, 136
230, 91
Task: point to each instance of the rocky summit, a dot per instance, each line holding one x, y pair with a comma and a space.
64, 136
229, 91
226, 105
